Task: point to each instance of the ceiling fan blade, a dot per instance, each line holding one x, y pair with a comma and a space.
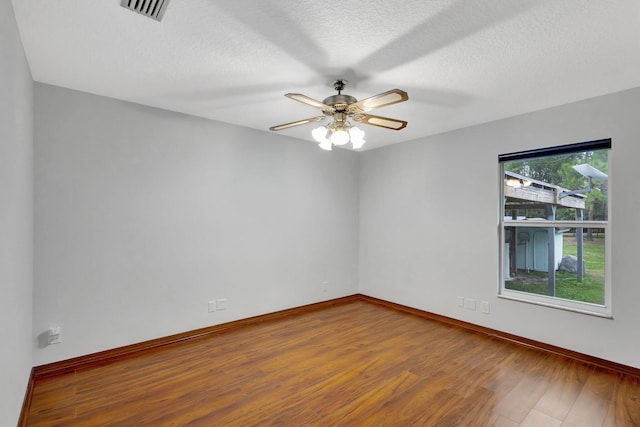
299, 122
392, 96
310, 101
383, 122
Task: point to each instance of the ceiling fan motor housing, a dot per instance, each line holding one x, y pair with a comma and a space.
339, 102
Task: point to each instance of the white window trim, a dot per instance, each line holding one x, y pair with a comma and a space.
604, 310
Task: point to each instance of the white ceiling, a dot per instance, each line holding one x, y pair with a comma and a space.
462, 62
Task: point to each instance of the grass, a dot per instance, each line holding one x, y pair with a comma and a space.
590, 289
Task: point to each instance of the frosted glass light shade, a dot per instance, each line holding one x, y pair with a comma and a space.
358, 143
325, 145
357, 137
319, 133
340, 137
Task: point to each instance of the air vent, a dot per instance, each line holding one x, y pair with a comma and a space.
151, 8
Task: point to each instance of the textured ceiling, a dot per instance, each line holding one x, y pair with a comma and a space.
463, 62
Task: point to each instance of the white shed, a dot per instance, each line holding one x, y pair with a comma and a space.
532, 248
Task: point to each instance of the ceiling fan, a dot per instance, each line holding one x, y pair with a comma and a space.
343, 107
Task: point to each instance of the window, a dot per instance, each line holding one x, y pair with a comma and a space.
555, 227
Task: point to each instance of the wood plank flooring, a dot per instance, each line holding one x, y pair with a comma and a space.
356, 364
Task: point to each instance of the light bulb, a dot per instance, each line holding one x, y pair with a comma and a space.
340, 137
319, 133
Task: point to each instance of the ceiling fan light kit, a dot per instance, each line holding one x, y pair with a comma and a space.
338, 132
343, 107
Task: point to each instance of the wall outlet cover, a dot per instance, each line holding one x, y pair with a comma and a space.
54, 335
221, 304
484, 307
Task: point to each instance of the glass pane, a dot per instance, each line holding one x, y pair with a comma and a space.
563, 187
533, 265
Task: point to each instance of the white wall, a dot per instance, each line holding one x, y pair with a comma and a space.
429, 223
142, 216
16, 225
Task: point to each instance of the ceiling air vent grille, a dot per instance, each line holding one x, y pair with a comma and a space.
151, 8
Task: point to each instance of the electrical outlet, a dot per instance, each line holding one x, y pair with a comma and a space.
470, 304
212, 306
325, 286
54, 335
221, 304
460, 301
484, 307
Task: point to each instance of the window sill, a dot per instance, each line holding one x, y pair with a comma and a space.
558, 306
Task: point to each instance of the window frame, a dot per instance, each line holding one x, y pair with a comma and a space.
601, 310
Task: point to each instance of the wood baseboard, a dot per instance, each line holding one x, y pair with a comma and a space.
108, 356
581, 357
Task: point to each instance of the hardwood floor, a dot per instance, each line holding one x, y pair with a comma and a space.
355, 364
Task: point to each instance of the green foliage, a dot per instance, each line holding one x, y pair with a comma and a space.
590, 289
593, 252
567, 287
